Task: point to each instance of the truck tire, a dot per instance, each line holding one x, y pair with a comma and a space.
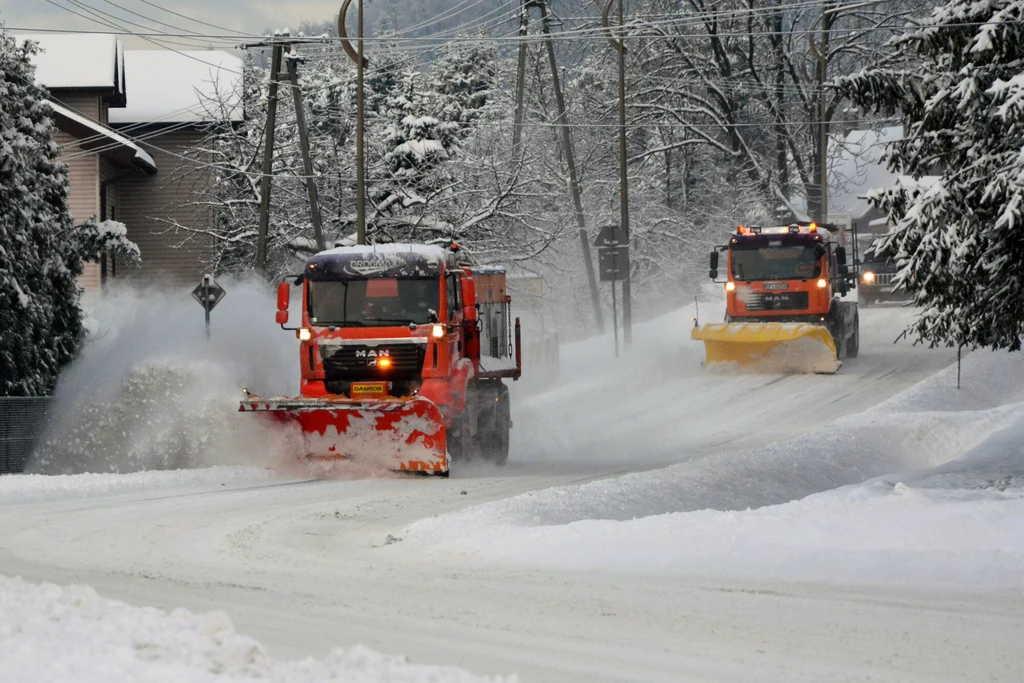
495, 422
460, 443
499, 451
853, 343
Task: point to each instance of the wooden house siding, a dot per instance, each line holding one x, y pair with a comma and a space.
87, 104
83, 197
150, 205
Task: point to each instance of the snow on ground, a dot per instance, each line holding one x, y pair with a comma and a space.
26, 488
655, 405
954, 517
53, 633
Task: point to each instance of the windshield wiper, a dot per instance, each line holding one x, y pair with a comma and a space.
401, 321
344, 323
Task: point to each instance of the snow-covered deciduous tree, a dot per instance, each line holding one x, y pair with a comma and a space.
958, 237
39, 312
437, 155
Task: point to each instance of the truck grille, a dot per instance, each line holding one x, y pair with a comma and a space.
780, 301
360, 362
884, 279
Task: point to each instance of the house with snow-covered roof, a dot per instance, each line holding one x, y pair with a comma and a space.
860, 169
171, 97
85, 77
126, 122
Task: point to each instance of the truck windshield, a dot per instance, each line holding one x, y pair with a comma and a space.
775, 263
374, 302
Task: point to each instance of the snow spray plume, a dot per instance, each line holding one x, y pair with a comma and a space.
149, 391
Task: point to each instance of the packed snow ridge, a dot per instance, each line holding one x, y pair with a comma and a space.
51, 633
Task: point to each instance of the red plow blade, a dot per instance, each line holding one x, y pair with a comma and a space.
396, 434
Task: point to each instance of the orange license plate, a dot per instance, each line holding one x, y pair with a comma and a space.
368, 389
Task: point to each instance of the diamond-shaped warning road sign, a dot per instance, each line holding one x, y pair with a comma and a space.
208, 293
611, 236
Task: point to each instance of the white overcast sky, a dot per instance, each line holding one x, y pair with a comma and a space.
243, 16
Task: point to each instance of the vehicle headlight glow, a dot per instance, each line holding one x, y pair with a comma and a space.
437, 332
384, 363
822, 283
305, 334
869, 277
730, 286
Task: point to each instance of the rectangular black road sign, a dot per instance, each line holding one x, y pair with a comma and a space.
613, 263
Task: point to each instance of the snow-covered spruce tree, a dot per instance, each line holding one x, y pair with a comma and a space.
416, 147
959, 241
39, 313
462, 79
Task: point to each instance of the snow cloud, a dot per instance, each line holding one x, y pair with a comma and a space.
149, 391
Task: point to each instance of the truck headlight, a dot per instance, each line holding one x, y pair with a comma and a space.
305, 334
822, 283
437, 332
869, 277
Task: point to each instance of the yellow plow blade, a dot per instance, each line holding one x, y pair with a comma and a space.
768, 347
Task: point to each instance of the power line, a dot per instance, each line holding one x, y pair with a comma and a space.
192, 19
593, 33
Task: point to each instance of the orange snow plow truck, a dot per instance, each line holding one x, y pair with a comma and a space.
783, 309
402, 352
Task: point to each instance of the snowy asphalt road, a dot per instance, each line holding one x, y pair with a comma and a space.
300, 566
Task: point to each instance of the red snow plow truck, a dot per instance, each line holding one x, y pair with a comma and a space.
403, 351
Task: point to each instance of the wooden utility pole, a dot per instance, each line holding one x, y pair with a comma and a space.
821, 57
307, 161
570, 162
358, 57
620, 48
268, 158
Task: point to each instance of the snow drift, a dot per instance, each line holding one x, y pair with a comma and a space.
954, 516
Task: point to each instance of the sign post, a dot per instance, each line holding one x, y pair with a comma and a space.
613, 261
208, 293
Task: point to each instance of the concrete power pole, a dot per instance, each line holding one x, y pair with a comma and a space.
570, 162
307, 161
268, 158
524, 21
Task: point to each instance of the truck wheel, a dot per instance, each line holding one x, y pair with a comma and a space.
853, 343
494, 425
502, 427
460, 444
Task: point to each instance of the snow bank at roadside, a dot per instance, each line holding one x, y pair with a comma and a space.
955, 517
51, 633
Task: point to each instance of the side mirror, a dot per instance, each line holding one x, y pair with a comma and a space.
841, 256
284, 294
713, 273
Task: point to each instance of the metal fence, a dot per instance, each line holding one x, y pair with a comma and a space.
22, 420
